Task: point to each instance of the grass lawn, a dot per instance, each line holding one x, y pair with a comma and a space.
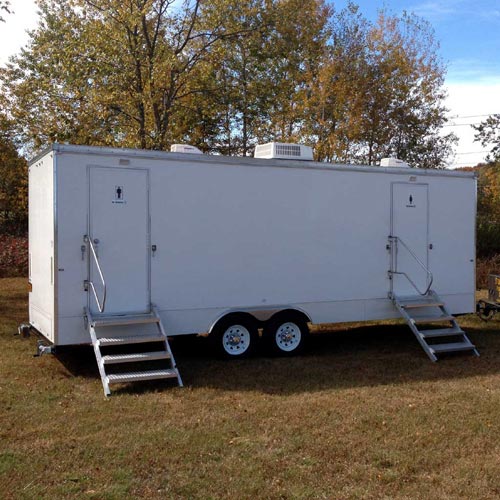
364, 414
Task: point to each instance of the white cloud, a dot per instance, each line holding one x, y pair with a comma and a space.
443, 9
467, 102
433, 10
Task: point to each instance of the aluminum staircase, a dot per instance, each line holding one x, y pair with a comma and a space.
430, 309
137, 341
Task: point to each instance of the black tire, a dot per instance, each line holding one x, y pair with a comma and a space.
286, 335
235, 337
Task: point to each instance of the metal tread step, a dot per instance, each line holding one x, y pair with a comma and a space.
138, 376
431, 319
441, 332
136, 339
415, 305
131, 358
125, 320
452, 347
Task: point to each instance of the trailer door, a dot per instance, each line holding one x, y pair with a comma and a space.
410, 224
119, 228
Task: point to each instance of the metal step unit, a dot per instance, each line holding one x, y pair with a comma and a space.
428, 308
132, 330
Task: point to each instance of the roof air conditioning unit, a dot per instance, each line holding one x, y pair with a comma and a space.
393, 162
283, 151
184, 148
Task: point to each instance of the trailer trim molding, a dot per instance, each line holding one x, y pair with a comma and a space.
246, 160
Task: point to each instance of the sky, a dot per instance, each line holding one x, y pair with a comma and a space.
469, 36
468, 32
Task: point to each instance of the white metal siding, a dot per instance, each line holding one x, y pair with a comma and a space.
237, 233
41, 247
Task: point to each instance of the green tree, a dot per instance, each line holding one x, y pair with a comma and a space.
488, 134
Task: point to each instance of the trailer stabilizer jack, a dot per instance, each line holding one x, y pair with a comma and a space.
42, 348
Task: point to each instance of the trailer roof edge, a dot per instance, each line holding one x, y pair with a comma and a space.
244, 160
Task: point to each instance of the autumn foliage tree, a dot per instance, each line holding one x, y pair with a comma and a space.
13, 184
488, 209
4, 8
488, 134
225, 75
109, 72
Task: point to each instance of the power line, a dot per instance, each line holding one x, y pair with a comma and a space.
474, 152
465, 163
472, 116
462, 124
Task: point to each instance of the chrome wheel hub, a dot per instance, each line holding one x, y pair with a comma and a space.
288, 336
236, 340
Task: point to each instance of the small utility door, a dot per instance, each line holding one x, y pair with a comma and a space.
410, 223
119, 227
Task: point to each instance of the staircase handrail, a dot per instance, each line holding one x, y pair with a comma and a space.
100, 305
394, 241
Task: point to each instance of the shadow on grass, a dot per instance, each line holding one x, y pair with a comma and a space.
359, 356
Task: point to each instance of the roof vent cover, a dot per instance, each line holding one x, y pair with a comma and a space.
284, 151
393, 162
185, 148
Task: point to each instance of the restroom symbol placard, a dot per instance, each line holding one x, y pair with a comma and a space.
119, 196
411, 201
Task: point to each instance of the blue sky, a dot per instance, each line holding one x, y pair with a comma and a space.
468, 31
469, 35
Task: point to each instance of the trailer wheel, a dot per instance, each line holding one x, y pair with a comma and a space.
235, 337
286, 335
485, 312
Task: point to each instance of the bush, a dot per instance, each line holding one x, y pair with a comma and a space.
485, 266
488, 237
13, 256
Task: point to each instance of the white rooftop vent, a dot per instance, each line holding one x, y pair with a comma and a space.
393, 162
283, 151
185, 148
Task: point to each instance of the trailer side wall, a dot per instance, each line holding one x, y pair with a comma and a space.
232, 236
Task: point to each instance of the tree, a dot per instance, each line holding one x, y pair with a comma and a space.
259, 80
488, 208
336, 98
5, 7
380, 92
488, 134
107, 72
13, 184
404, 92
236, 71
226, 74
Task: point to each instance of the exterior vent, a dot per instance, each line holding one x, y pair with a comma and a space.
393, 162
283, 151
184, 148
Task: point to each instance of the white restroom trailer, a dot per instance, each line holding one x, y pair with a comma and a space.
226, 245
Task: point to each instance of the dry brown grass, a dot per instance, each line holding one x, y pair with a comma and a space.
363, 414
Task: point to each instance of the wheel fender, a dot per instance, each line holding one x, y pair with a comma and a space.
228, 316
287, 314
